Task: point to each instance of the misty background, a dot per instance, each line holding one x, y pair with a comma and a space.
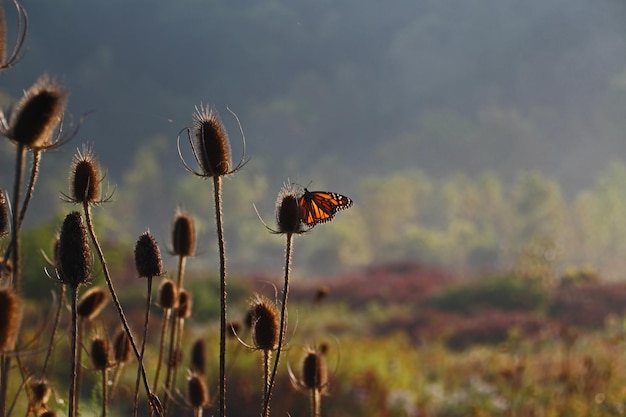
474, 135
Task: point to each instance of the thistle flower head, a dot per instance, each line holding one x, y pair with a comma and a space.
38, 114
10, 318
265, 323
74, 256
183, 234
148, 256
212, 143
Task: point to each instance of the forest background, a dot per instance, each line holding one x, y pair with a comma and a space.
478, 136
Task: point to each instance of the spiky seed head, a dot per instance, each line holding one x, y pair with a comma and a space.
74, 256
48, 413
148, 256
10, 319
38, 114
314, 371
121, 347
323, 348
85, 177
183, 234
92, 303
234, 328
265, 326
167, 294
198, 357
41, 391
212, 143
288, 216
184, 304
4, 215
197, 391
100, 353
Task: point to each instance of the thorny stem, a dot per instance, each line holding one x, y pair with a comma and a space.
143, 345
316, 400
217, 190
283, 320
105, 393
153, 399
267, 356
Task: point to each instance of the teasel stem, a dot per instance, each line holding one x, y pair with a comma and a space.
74, 361
316, 402
105, 393
267, 357
283, 321
116, 301
217, 189
140, 368
17, 196
168, 296
34, 173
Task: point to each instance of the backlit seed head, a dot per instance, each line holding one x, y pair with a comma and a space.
265, 326
99, 353
37, 115
92, 303
48, 413
41, 392
121, 347
4, 215
288, 215
212, 143
10, 319
183, 234
74, 256
314, 371
197, 391
167, 294
85, 178
184, 304
148, 256
198, 357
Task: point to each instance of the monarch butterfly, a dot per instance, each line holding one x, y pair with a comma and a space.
321, 206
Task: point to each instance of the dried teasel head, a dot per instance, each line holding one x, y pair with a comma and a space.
99, 353
314, 371
74, 256
168, 295
121, 347
37, 116
85, 178
40, 391
212, 143
92, 303
265, 323
183, 234
197, 391
10, 319
198, 362
288, 215
184, 304
148, 256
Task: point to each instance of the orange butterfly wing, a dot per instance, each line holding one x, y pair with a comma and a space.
321, 206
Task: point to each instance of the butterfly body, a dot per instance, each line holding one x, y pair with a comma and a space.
321, 206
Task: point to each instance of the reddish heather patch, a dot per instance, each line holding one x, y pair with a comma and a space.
589, 305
